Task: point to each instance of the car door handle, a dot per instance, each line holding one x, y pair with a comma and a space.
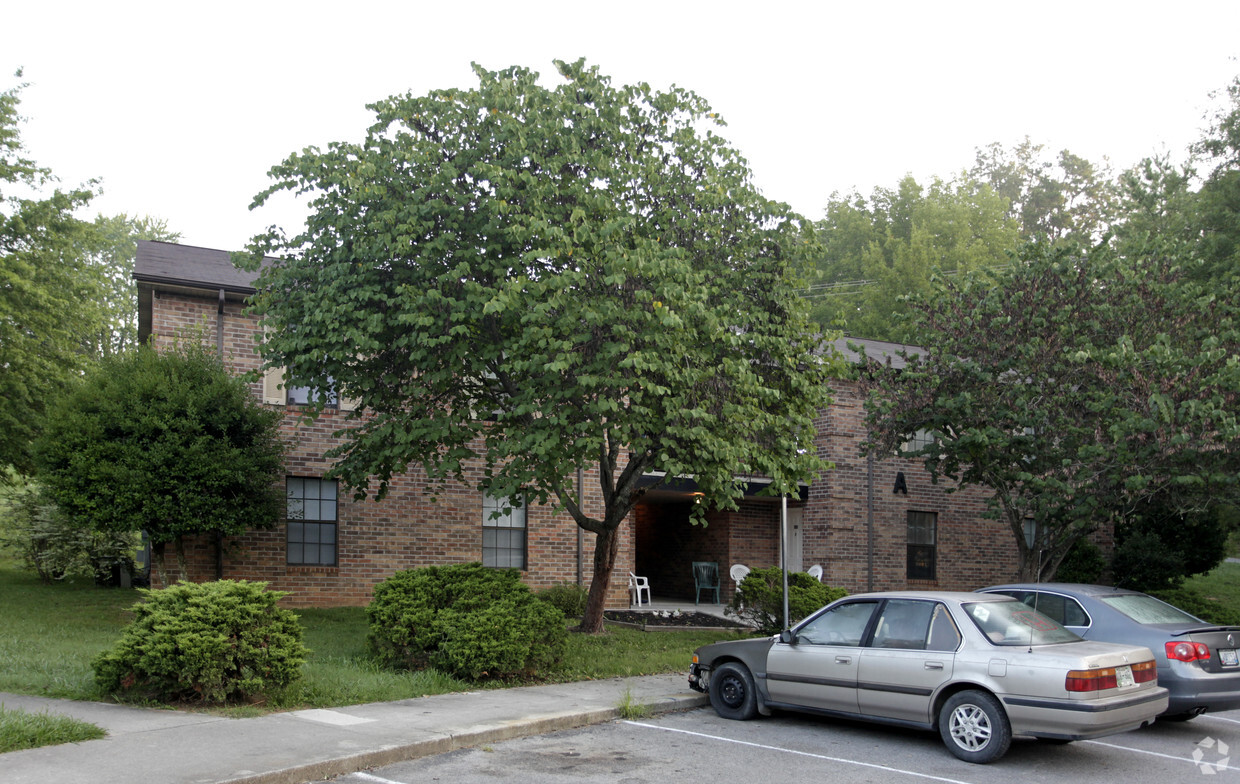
933, 665
843, 659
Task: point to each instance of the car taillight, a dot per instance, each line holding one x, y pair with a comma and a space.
1091, 680
1187, 651
1144, 672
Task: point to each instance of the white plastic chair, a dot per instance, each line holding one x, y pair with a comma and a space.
636, 586
737, 573
815, 571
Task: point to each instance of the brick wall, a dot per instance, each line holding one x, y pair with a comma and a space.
854, 518
854, 525
415, 525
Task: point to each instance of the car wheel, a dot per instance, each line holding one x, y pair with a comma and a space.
732, 692
974, 727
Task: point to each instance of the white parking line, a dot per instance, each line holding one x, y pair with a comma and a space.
376, 779
1189, 760
799, 753
1216, 718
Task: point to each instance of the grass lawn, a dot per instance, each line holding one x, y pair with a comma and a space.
50, 634
23, 730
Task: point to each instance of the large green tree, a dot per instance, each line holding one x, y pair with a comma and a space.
546, 280
1217, 207
113, 249
67, 295
1051, 197
878, 250
1080, 387
166, 442
50, 293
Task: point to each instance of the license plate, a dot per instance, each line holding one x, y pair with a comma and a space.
1228, 657
1123, 676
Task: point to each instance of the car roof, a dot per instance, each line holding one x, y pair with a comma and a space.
958, 596
1082, 589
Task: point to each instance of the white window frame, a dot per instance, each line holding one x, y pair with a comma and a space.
504, 533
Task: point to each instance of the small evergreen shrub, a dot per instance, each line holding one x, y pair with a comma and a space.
760, 600
1084, 563
467, 620
34, 529
568, 598
204, 642
1195, 603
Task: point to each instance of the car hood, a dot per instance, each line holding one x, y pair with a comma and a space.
739, 648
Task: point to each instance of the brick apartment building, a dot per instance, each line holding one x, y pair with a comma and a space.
871, 524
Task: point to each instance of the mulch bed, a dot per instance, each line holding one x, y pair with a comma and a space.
650, 619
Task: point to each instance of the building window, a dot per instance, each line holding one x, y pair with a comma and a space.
311, 524
303, 396
922, 536
1035, 536
503, 532
919, 440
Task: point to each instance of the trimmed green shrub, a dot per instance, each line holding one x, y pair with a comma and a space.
760, 600
466, 620
568, 598
204, 642
36, 532
1205, 608
1084, 563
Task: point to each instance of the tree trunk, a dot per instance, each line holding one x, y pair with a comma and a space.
182, 567
157, 560
606, 546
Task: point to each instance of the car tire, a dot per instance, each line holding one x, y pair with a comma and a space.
974, 727
732, 692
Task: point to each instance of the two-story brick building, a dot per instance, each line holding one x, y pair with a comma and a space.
870, 524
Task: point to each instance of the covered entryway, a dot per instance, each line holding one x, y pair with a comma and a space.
667, 542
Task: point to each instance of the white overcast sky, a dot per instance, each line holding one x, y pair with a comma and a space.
181, 108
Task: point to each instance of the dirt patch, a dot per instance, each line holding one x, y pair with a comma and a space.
654, 619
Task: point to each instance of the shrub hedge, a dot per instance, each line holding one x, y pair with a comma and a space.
760, 599
204, 642
467, 620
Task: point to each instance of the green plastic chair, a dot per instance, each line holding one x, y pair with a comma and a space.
705, 578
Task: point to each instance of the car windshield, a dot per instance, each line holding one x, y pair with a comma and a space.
1014, 623
1147, 609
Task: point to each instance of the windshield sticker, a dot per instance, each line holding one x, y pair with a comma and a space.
1036, 620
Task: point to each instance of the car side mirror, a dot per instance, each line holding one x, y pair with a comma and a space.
787, 637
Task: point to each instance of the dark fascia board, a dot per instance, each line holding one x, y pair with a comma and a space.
752, 485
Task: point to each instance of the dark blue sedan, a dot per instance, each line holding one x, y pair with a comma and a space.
1198, 661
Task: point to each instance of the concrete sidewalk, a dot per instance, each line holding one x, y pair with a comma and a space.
173, 747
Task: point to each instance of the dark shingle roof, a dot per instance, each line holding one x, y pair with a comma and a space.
879, 351
186, 265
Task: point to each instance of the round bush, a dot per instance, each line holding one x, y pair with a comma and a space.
568, 598
466, 620
207, 642
760, 600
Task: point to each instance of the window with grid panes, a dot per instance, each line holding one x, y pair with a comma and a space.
311, 526
503, 532
922, 539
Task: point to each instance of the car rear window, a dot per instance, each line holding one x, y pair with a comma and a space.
1147, 609
1014, 623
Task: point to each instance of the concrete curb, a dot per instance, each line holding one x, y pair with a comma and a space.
471, 738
